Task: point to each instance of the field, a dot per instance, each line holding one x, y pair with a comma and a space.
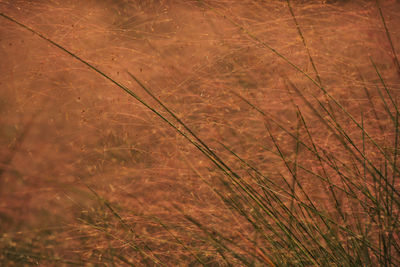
199, 133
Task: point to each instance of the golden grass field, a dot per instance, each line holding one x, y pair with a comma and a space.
278, 145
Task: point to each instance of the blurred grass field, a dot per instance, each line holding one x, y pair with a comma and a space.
294, 110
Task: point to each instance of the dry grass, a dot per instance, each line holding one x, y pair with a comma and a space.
285, 151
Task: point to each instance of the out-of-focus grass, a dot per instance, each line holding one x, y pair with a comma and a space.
274, 140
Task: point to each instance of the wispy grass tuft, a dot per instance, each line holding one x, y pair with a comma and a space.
332, 199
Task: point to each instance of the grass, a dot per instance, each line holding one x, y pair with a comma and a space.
253, 142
